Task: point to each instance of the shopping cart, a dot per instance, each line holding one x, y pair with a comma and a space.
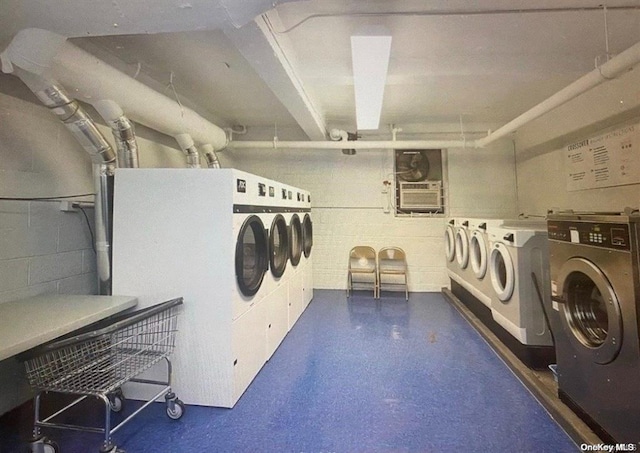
96, 361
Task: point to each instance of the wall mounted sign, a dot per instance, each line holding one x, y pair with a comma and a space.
607, 160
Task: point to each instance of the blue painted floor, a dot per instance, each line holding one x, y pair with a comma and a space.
353, 376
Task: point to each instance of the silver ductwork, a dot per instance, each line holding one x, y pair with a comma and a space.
211, 156
189, 148
123, 133
87, 134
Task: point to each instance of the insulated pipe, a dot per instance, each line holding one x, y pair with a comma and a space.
210, 155
123, 133
189, 148
87, 134
41, 51
609, 70
356, 144
338, 135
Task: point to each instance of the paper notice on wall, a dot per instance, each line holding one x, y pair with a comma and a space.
611, 159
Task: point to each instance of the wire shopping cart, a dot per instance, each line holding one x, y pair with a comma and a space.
96, 361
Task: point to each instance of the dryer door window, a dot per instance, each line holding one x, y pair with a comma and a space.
251, 256
462, 248
307, 235
278, 246
295, 240
503, 277
478, 255
450, 243
591, 312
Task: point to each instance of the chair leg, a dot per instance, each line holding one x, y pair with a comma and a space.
406, 288
348, 284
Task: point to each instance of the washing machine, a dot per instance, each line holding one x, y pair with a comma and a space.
595, 285
519, 273
477, 272
450, 246
206, 235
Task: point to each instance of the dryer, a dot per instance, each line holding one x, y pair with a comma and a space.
450, 246
206, 235
595, 313
307, 246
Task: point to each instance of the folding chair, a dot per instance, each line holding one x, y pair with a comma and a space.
362, 262
392, 261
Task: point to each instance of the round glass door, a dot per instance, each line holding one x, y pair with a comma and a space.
591, 312
295, 239
278, 246
502, 272
450, 243
478, 254
251, 255
307, 235
462, 248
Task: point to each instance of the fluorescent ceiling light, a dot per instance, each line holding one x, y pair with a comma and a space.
370, 58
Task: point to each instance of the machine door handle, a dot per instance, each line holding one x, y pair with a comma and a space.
509, 237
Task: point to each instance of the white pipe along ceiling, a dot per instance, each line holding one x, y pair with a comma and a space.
92, 80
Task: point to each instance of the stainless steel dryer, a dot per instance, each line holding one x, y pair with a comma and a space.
596, 299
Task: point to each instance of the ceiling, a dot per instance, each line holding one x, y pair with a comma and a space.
453, 66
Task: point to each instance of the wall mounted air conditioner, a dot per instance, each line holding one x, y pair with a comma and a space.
421, 195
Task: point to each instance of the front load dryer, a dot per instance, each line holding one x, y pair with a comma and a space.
204, 235
595, 281
519, 272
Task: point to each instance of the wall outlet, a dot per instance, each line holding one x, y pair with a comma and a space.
67, 206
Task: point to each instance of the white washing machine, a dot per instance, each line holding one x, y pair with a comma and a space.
517, 252
203, 234
450, 246
296, 278
460, 269
478, 268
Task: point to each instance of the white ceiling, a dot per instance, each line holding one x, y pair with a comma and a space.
446, 67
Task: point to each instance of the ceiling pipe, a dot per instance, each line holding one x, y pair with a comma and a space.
359, 144
123, 133
619, 64
91, 79
211, 156
185, 141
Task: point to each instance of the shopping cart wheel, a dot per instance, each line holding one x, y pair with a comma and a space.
116, 400
177, 411
44, 445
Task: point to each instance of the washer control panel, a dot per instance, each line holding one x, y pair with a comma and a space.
606, 235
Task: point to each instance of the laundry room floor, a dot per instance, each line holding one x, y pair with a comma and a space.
355, 375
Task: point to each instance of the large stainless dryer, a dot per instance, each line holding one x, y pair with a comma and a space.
596, 300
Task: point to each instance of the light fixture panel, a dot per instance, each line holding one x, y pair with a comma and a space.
370, 58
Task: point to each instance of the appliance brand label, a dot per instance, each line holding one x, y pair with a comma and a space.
241, 185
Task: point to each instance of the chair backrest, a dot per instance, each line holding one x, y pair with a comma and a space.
362, 257
392, 256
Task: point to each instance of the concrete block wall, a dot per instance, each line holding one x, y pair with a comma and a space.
349, 208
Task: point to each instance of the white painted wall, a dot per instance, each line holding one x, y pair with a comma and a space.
540, 149
44, 250
348, 204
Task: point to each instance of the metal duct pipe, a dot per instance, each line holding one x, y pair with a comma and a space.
211, 156
189, 148
609, 70
123, 133
40, 51
87, 134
